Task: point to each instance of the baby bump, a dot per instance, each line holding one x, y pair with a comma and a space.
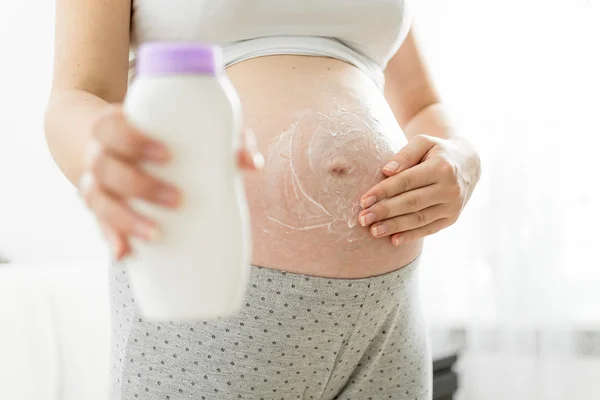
326, 131
317, 169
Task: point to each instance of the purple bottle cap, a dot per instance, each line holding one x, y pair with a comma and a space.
174, 58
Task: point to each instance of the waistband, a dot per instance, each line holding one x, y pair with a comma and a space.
236, 52
338, 289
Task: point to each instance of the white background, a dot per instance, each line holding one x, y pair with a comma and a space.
41, 219
521, 78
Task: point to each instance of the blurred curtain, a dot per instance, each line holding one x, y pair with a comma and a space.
517, 279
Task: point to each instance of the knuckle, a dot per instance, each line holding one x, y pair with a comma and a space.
455, 190
404, 157
387, 191
420, 217
141, 185
447, 169
114, 131
424, 139
384, 210
133, 181
406, 183
421, 138
381, 191
133, 141
145, 187
413, 202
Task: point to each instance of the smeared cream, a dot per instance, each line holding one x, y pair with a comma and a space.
318, 168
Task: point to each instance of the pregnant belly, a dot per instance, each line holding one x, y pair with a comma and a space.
326, 131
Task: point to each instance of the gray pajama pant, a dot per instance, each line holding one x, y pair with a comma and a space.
296, 337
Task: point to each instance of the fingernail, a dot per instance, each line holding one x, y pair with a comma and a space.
118, 251
146, 231
155, 152
378, 230
258, 160
392, 166
367, 219
369, 201
168, 196
398, 240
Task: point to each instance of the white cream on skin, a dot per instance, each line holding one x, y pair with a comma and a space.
317, 170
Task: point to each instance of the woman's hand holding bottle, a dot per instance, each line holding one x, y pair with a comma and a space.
113, 175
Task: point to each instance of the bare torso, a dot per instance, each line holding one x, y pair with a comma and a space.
325, 130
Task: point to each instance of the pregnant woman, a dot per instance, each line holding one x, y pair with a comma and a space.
352, 162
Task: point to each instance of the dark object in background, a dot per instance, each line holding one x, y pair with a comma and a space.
3, 260
445, 380
445, 348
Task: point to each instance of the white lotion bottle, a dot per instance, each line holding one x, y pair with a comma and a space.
197, 268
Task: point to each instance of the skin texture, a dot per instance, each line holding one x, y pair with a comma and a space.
335, 132
337, 150
325, 140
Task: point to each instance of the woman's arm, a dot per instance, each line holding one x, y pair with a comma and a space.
89, 137
430, 180
91, 61
411, 94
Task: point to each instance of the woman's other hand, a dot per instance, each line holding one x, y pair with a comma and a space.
113, 175
428, 183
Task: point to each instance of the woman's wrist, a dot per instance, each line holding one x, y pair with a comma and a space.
68, 119
432, 120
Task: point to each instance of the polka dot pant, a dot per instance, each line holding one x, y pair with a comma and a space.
296, 337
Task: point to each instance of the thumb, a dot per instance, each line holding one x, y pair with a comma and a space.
410, 155
249, 157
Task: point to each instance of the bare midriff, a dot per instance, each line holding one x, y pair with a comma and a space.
326, 131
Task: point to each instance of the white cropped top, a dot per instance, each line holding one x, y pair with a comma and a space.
364, 33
